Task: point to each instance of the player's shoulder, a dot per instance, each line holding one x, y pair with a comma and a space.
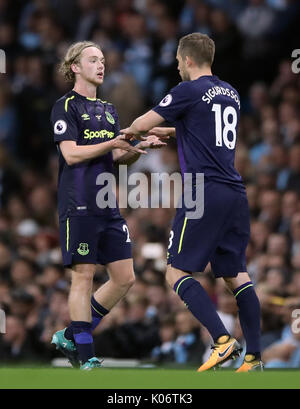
108, 106
64, 102
182, 87
183, 91
226, 84
192, 88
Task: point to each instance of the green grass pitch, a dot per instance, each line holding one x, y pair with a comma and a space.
106, 378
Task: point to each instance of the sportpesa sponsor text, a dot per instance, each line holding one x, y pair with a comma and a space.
98, 134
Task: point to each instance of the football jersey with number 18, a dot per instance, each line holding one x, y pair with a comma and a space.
205, 113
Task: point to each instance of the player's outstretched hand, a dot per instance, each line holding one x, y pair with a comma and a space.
162, 132
131, 136
122, 142
152, 142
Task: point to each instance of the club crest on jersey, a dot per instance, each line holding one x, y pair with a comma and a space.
83, 249
109, 118
166, 101
60, 127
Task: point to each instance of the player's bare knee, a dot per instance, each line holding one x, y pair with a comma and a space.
234, 282
169, 279
125, 281
170, 276
130, 282
83, 282
228, 282
83, 273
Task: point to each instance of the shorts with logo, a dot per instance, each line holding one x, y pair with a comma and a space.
94, 239
220, 236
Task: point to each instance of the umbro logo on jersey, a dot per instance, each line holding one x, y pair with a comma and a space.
85, 117
98, 117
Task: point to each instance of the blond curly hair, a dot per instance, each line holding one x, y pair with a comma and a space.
73, 57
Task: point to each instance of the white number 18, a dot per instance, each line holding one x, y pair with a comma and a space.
229, 126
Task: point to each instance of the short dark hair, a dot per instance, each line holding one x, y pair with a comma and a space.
199, 47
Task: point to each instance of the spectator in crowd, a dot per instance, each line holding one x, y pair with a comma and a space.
290, 205
138, 52
15, 345
165, 352
255, 23
227, 40
295, 233
10, 182
188, 346
164, 75
87, 12
285, 352
294, 164
135, 338
8, 119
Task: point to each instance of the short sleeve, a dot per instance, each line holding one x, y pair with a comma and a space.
64, 122
176, 103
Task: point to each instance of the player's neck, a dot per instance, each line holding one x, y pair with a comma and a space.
85, 89
199, 72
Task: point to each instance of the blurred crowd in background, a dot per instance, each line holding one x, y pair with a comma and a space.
254, 40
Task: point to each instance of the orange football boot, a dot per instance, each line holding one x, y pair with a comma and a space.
222, 352
251, 363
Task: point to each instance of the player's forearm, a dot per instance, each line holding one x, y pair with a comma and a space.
81, 153
139, 127
144, 123
171, 132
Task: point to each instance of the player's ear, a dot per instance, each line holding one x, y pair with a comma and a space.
188, 61
75, 68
